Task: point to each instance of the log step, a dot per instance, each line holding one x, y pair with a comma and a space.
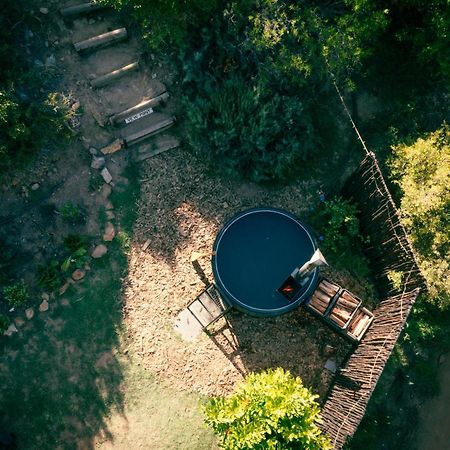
114, 75
150, 131
128, 113
143, 155
102, 40
82, 8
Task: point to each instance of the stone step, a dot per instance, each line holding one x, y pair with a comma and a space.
104, 80
151, 130
82, 8
128, 113
102, 40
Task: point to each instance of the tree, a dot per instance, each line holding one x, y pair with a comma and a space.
422, 172
270, 410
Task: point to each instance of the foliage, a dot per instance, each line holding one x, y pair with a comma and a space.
422, 172
124, 239
16, 294
28, 116
76, 247
270, 410
336, 222
167, 23
70, 212
259, 135
4, 323
49, 275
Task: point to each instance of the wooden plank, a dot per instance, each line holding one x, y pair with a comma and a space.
101, 40
156, 151
114, 75
151, 103
148, 132
82, 8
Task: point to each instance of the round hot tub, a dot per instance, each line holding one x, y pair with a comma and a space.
255, 254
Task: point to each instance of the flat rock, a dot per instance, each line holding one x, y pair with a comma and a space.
110, 215
78, 274
45, 296
64, 302
105, 191
106, 175
331, 365
11, 329
93, 151
99, 251
64, 288
110, 232
29, 313
113, 147
43, 306
98, 163
19, 321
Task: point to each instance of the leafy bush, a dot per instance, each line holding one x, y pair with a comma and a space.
49, 275
422, 172
338, 227
76, 247
250, 132
4, 323
16, 294
70, 212
270, 410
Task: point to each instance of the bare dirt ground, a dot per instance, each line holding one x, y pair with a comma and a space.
182, 208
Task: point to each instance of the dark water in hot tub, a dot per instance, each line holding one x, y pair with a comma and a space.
255, 255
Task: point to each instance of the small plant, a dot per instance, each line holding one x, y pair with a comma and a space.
76, 246
4, 323
70, 212
124, 240
270, 410
49, 275
16, 294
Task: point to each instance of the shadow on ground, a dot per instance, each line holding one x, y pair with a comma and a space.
60, 377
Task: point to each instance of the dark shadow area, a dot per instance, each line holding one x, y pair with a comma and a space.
60, 377
295, 341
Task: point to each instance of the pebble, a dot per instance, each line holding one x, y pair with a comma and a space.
93, 151
43, 10
19, 321
105, 191
43, 306
99, 251
50, 61
110, 232
64, 302
35, 186
29, 313
45, 296
78, 274
110, 215
64, 288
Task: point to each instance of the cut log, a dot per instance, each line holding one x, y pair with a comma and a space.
326, 290
330, 285
139, 107
148, 132
114, 75
326, 298
156, 151
102, 40
83, 8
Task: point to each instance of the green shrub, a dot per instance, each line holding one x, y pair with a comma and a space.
4, 323
77, 257
70, 212
243, 130
270, 410
336, 223
49, 275
422, 172
16, 294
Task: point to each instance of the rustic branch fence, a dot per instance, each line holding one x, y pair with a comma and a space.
388, 250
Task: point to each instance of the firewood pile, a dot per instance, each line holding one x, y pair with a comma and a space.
344, 309
341, 309
323, 295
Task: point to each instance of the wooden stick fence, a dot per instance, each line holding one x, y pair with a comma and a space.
388, 250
